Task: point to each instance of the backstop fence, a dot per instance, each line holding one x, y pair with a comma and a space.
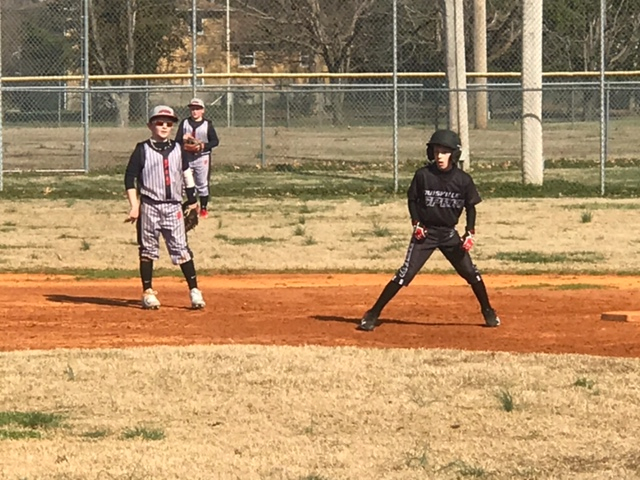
65, 108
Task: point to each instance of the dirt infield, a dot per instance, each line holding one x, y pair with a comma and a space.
550, 314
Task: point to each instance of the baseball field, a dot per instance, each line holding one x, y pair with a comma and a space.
272, 381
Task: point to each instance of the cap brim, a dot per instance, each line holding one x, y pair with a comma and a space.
164, 115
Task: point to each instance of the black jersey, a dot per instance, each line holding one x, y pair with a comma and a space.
437, 198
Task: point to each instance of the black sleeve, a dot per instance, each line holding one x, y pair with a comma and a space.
212, 136
472, 197
413, 197
191, 195
471, 218
185, 160
180, 133
134, 167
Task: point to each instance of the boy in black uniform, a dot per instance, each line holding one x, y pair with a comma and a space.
438, 193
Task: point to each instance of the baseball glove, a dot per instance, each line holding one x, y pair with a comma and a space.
190, 216
192, 145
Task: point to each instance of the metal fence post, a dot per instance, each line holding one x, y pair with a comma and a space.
147, 103
395, 97
263, 122
86, 96
194, 44
286, 96
603, 113
229, 97
60, 103
1, 112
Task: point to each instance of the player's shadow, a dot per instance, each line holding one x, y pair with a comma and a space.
114, 302
356, 321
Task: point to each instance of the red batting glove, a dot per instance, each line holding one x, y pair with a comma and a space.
468, 240
419, 231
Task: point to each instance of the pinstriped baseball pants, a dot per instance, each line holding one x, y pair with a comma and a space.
200, 166
162, 219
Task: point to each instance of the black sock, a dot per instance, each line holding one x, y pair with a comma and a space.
146, 273
204, 201
385, 297
480, 291
189, 272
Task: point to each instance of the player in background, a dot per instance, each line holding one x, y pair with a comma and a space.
200, 128
155, 178
437, 196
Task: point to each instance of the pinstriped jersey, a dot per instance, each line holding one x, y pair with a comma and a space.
200, 132
159, 171
203, 131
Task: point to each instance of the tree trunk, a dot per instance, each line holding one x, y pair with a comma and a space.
122, 105
337, 104
319, 105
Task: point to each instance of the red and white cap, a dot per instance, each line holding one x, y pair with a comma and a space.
196, 102
163, 111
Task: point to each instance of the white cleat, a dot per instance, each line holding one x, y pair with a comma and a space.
149, 300
197, 302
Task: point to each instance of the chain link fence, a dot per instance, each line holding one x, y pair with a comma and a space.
78, 80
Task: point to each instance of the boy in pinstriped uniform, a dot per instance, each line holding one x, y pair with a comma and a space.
158, 174
201, 129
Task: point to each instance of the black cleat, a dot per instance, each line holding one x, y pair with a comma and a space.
368, 322
490, 317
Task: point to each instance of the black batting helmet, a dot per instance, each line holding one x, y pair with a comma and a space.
446, 138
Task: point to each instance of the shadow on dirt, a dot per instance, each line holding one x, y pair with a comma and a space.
382, 321
114, 302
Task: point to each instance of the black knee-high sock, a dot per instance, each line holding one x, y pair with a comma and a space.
480, 291
204, 201
189, 272
146, 273
385, 297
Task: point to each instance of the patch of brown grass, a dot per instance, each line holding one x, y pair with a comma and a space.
339, 235
255, 412
112, 146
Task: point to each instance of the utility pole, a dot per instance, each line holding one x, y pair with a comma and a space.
457, 75
480, 61
532, 160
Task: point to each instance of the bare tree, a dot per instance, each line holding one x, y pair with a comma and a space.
121, 99
328, 30
504, 29
119, 29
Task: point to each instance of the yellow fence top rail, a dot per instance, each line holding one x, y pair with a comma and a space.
322, 75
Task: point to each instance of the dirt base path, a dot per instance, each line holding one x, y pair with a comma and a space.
555, 314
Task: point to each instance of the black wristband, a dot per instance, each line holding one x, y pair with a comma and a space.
191, 195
